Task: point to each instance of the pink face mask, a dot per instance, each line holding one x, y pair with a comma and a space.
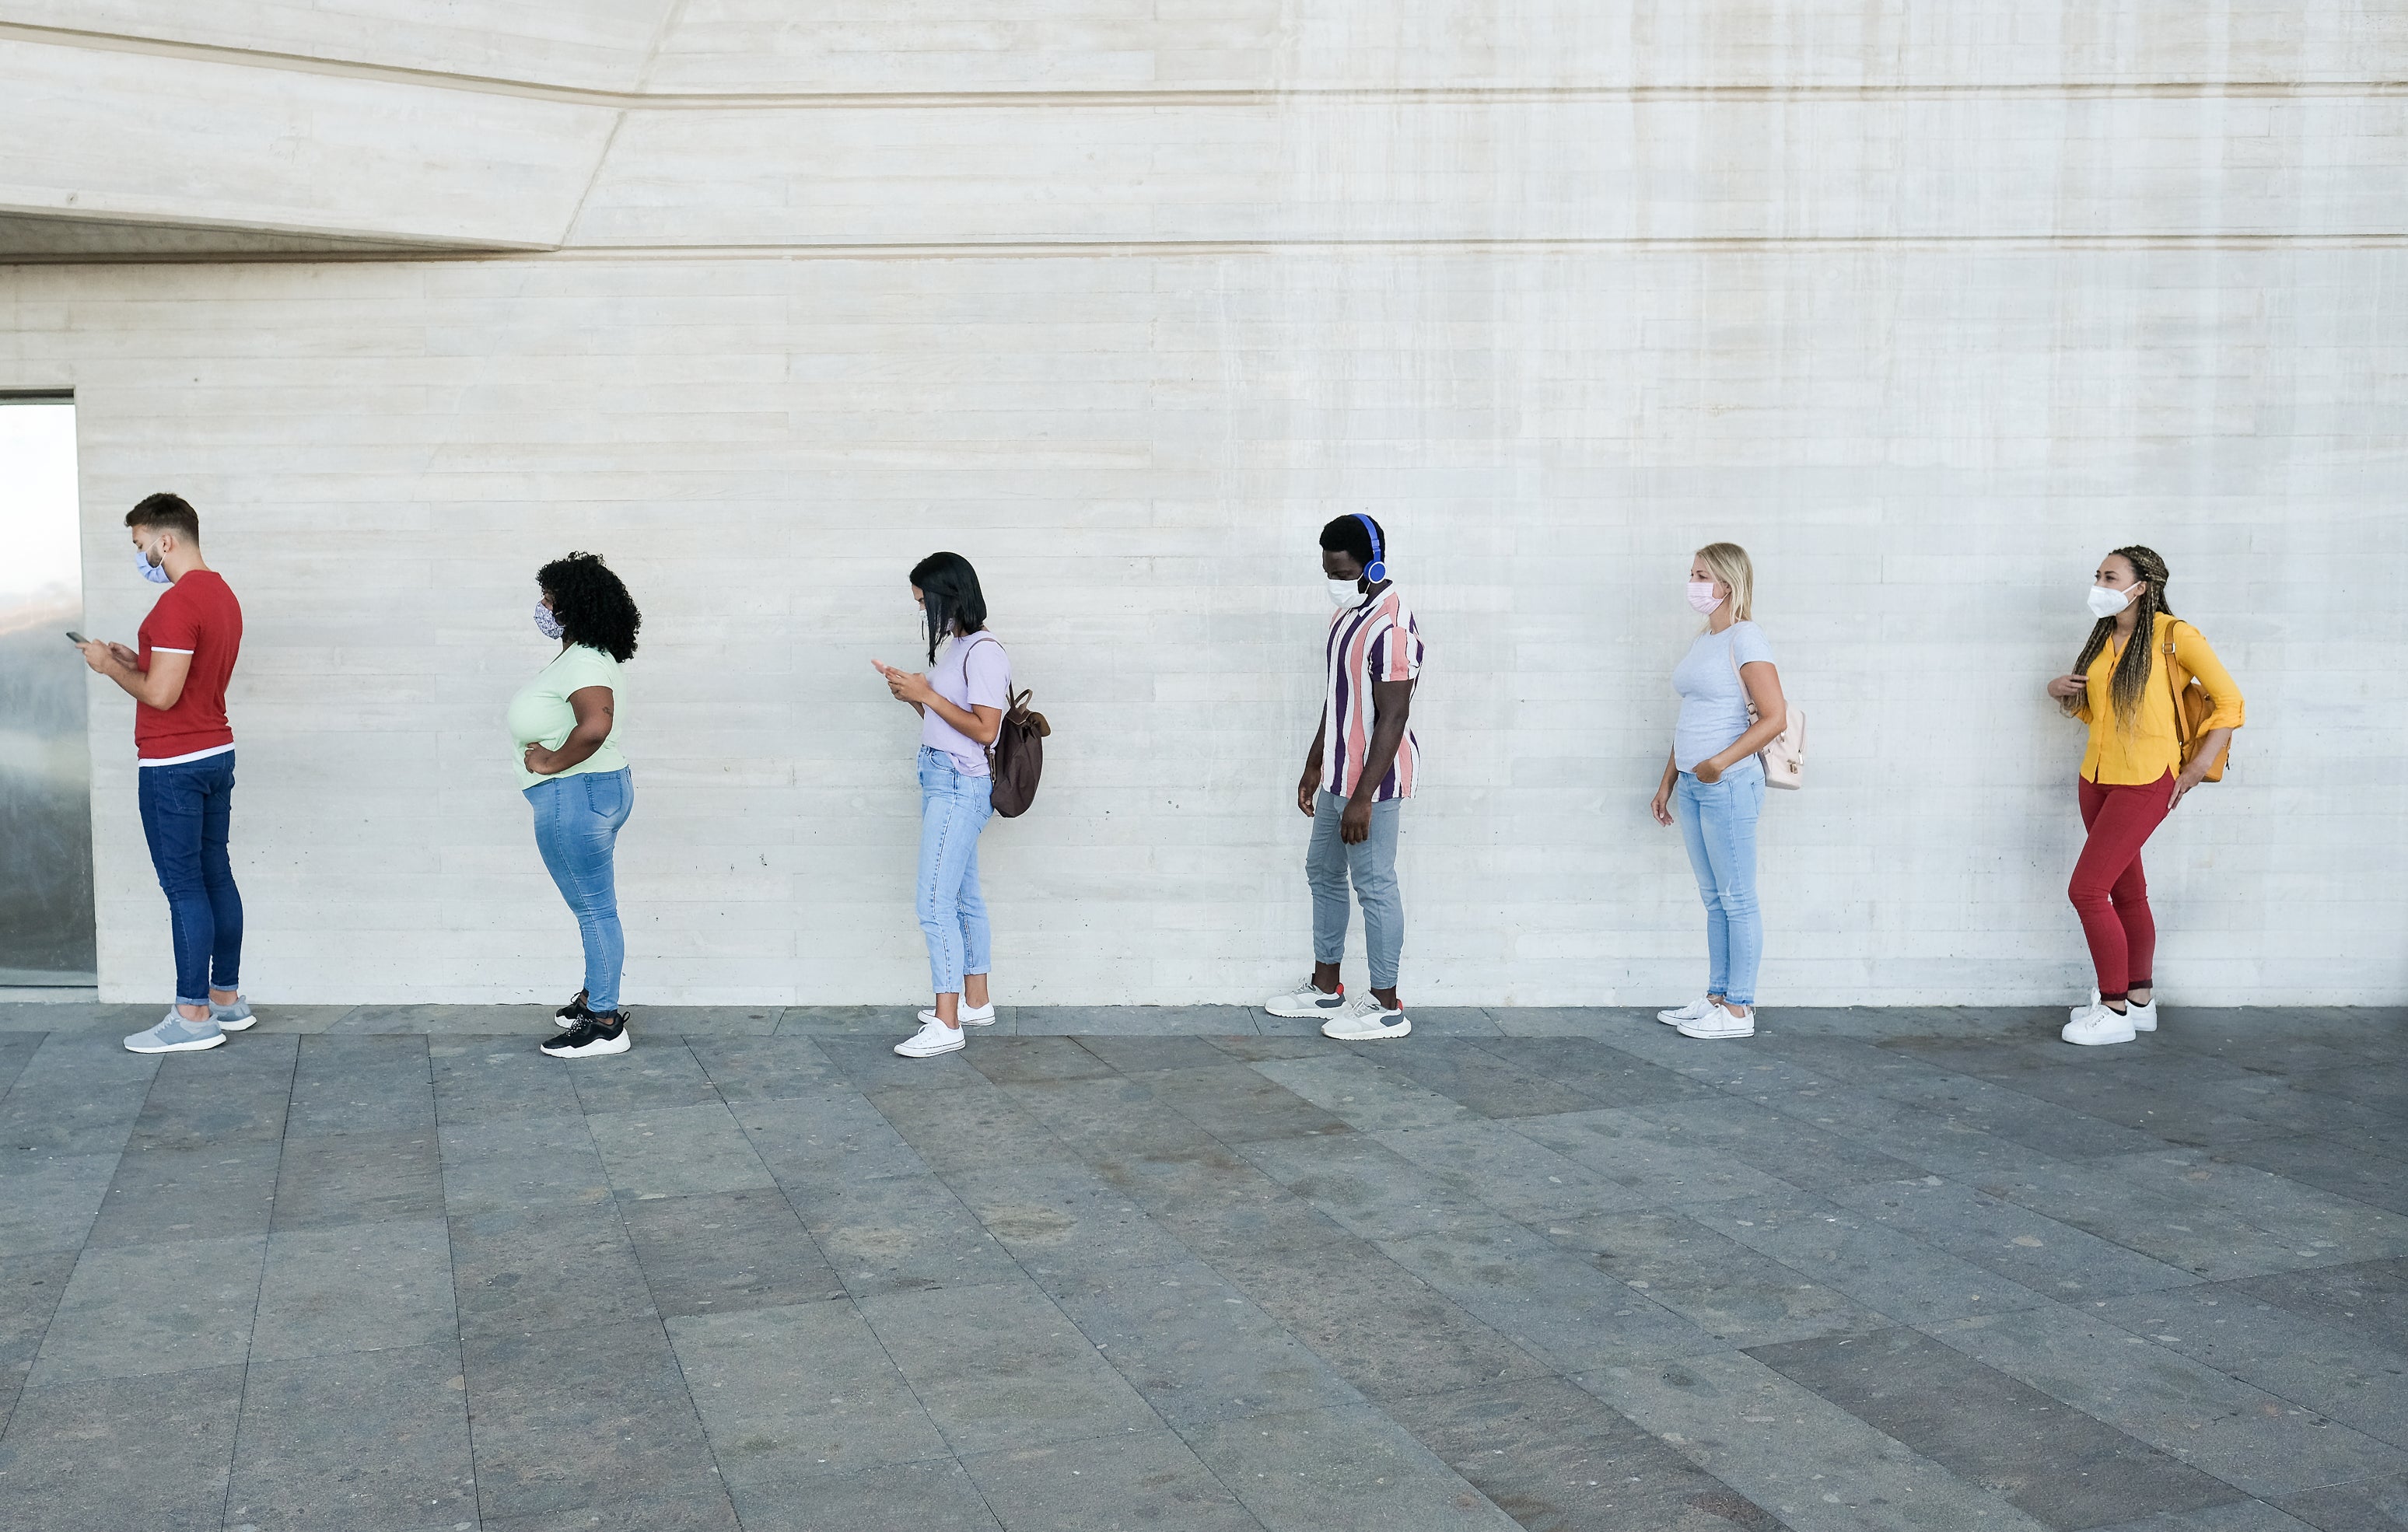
1702, 596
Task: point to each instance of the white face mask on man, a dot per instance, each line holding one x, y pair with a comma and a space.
2107, 601
1345, 593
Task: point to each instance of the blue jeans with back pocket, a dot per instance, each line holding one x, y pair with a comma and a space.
577, 822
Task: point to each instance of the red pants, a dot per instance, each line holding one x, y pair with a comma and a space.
2108, 891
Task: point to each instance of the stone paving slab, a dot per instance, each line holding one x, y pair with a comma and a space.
386, 1268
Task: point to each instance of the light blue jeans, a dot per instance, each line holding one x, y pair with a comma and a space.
1718, 823
953, 807
577, 821
1329, 863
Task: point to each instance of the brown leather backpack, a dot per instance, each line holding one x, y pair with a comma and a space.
1017, 757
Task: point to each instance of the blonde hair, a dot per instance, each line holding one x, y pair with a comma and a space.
1727, 562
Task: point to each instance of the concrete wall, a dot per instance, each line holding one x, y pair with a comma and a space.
1122, 302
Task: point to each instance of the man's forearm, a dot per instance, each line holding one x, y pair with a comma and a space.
1378, 759
134, 683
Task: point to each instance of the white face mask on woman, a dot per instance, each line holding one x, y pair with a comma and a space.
1702, 597
2106, 601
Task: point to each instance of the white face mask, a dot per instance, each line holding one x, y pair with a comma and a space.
152, 572
2106, 601
1345, 593
1702, 597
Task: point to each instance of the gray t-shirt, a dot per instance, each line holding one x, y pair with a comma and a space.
1714, 703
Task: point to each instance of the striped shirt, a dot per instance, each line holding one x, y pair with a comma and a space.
1374, 640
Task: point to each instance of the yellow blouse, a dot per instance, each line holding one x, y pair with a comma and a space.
2151, 747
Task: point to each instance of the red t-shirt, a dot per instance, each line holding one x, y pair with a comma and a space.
199, 616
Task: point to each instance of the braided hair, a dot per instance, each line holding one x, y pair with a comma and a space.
2132, 677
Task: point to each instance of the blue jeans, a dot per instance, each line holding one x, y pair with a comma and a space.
1718, 822
1330, 863
577, 822
954, 809
187, 812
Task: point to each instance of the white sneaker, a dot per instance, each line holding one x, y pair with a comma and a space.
1363, 1019
1695, 1010
2096, 1025
968, 1015
1720, 1024
1306, 1000
2144, 1018
933, 1038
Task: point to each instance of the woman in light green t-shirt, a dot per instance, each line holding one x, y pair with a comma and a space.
564, 727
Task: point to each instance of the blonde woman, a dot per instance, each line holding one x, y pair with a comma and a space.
1713, 784
2132, 775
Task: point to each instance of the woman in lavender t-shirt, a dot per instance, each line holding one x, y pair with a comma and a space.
960, 702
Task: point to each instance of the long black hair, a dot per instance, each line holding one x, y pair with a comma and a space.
2131, 676
957, 605
592, 607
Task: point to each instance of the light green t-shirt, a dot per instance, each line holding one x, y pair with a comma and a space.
540, 713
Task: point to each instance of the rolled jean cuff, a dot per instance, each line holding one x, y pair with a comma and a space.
203, 1002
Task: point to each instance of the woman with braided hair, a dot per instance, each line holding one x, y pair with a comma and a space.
2133, 774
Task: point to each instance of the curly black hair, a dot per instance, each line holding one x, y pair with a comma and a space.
592, 607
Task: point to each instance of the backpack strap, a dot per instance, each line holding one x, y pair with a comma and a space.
987, 749
2175, 688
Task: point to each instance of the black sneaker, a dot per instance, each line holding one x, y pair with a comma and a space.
574, 1011
593, 1036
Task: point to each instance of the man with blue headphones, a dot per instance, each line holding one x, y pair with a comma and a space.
1365, 764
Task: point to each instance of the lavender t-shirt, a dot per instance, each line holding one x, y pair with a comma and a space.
972, 672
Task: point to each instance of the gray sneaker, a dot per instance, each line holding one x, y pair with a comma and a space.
233, 1018
175, 1034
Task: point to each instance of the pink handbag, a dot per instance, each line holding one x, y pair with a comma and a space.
1785, 759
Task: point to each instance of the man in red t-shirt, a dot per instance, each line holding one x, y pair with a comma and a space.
178, 681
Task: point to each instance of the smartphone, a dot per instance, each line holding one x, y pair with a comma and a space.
74, 637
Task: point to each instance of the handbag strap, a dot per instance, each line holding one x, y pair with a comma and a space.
1744, 695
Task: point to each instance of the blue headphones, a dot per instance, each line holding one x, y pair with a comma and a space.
1378, 569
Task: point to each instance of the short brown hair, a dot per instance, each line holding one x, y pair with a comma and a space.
167, 513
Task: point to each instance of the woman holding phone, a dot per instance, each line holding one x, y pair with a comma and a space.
960, 701
2133, 776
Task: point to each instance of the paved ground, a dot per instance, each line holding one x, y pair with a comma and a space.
388, 1269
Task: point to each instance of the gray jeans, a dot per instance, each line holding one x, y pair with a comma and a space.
1329, 862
